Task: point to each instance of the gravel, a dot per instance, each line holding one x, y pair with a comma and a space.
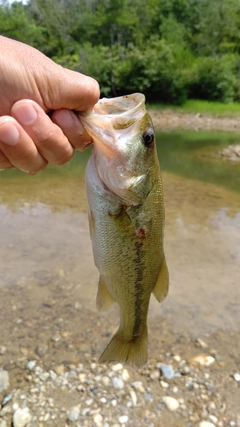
89, 394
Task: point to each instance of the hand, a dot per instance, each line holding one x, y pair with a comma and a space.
37, 98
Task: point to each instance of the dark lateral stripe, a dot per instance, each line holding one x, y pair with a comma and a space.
138, 295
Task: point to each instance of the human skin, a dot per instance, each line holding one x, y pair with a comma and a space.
38, 101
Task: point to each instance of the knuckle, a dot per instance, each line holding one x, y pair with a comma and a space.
54, 146
48, 135
64, 158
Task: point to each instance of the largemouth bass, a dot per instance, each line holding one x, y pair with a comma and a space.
126, 218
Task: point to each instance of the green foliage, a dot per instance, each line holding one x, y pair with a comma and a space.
15, 23
171, 50
214, 78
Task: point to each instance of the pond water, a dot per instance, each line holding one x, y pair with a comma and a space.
45, 251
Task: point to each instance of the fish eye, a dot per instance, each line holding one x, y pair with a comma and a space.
148, 138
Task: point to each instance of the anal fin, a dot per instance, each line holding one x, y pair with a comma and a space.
160, 289
104, 299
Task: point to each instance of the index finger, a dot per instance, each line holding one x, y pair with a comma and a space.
71, 90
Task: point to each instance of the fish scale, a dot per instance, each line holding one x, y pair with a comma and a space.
126, 218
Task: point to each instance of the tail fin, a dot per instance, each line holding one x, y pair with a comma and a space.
133, 352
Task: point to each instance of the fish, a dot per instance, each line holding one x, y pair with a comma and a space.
126, 220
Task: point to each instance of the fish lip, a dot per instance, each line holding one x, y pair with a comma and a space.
127, 103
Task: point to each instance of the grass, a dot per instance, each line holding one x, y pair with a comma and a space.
203, 107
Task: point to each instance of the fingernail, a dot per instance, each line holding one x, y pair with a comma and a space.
65, 119
9, 134
84, 146
25, 114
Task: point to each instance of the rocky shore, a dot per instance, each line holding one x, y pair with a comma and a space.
176, 393
172, 120
48, 385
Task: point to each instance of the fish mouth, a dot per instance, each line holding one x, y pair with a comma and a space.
110, 115
120, 106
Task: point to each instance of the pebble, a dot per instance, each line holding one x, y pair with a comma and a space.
133, 397
105, 380
6, 410
201, 343
203, 360
117, 383
155, 375
60, 370
7, 399
41, 349
236, 376
185, 370
171, 403
73, 413
31, 365
123, 419
138, 386
206, 424
167, 371
4, 380
98, 420
44, 376
3, 350
82, 377
177, 358
125, 375
164, 384
213, 419
21, 417
53, 375
117, 367
148, 397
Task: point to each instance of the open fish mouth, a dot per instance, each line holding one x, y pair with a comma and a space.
122, 105
109, 115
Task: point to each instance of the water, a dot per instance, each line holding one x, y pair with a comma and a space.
45, 249
195, 155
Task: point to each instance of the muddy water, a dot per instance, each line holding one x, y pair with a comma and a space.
47, 274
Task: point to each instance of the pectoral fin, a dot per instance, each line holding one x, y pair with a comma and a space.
104, 299
160, 290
